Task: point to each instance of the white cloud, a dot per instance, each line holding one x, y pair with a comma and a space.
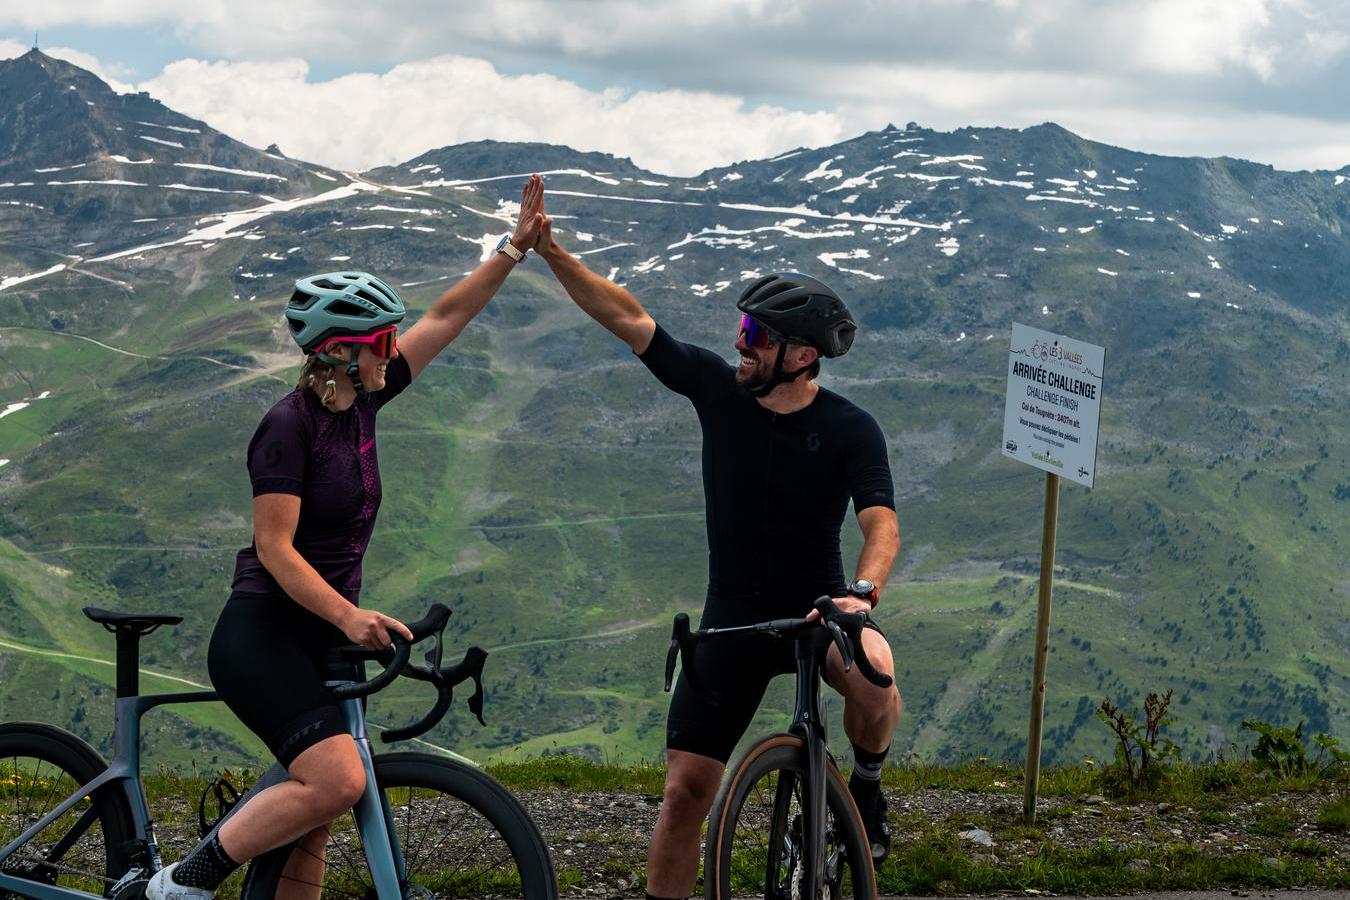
364, 120
1198, 36
679, 85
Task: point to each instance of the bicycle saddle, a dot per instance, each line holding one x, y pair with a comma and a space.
140, 621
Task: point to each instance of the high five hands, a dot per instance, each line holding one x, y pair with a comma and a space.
531, 220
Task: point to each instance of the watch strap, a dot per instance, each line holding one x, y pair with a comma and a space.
510, 250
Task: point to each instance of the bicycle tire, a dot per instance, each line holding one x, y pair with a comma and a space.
754, 831
40, 766
485, 843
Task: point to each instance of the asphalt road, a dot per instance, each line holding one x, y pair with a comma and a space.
1179, 895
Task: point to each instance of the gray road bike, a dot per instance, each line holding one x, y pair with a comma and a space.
74, 826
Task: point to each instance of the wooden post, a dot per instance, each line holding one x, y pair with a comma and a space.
1042, 646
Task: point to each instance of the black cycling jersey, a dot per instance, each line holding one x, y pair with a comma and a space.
776, 488
776, 485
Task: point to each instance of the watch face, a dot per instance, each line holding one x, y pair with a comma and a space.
862, 586
502, 243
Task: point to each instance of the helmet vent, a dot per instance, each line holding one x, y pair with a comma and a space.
369, 297
345, 308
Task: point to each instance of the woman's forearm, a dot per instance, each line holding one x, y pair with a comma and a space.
303, 584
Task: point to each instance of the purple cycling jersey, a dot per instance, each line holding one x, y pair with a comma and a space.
328, 460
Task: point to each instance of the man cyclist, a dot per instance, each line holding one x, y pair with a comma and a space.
782, 457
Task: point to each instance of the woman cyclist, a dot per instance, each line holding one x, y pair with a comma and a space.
316, 489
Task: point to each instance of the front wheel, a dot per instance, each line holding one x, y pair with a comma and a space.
756, 843
461, 834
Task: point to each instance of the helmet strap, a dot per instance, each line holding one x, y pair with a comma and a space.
779, 376
351, 367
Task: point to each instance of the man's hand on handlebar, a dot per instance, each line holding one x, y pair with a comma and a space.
845, 604
371, 629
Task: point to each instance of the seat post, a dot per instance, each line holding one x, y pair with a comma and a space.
128, 659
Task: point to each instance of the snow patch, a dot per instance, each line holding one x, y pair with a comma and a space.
245, 172
981, 180
20, 279
1229, 229
195, 187
1194, 295
155, 140
226, 224
1107, 272
949, 246
939, 160
172, 127
831, 259
1040, 197
823, 171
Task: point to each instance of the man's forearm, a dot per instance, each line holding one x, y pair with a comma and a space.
601, 299
881, 544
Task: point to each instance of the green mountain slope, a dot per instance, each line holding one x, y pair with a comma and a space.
542, 483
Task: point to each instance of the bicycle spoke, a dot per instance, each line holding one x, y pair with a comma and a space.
356, 869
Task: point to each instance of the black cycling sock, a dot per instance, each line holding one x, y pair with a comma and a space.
206, 866
867, 769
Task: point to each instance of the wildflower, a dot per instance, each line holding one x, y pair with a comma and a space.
1089, 761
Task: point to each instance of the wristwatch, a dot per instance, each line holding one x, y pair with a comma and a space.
865, 590
505, 246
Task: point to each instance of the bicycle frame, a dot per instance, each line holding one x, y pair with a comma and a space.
808, 723
123, 772
374, 818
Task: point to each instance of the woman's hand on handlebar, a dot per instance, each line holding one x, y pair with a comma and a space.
848, 604
371, 629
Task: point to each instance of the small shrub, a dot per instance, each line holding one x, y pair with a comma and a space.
1142, 753
1281, 751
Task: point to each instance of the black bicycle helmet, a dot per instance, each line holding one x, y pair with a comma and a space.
799, 307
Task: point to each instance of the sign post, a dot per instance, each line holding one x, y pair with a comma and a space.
1050, 421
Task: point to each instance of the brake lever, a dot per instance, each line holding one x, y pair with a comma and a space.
679, 631
844, 644
471, 666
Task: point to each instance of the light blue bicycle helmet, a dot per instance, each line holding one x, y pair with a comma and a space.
335, 304
341, 304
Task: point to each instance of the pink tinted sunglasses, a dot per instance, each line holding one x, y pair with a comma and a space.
383, 343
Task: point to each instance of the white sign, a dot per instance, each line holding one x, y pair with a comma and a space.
1054, 403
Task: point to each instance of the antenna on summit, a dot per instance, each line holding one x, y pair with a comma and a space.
35, 41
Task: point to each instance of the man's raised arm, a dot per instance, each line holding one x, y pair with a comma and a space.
601, 299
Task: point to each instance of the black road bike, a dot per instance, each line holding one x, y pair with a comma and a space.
784, 825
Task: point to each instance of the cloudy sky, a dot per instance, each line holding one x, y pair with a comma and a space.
683, 85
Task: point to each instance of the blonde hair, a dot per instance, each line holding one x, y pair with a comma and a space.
317, 372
